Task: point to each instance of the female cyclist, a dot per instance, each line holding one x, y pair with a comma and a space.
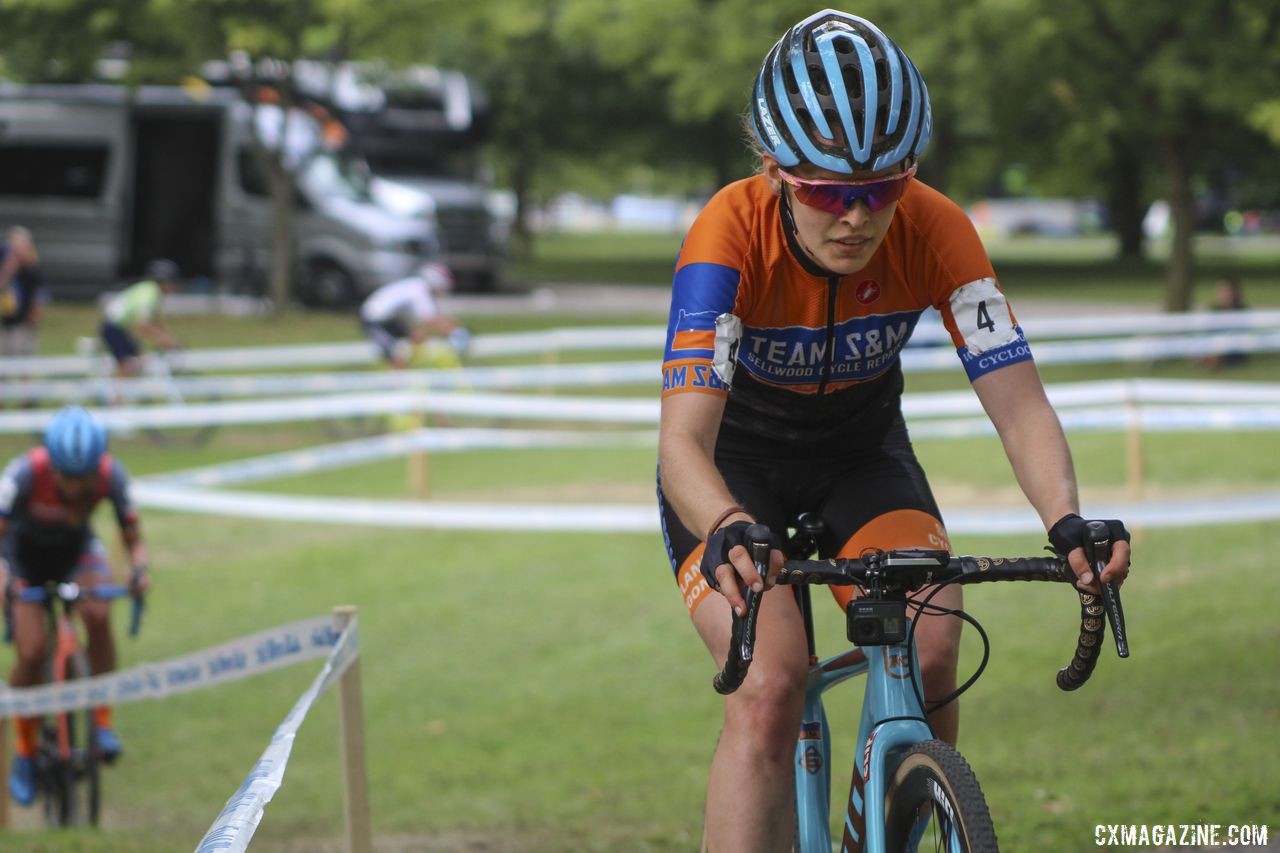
794, 293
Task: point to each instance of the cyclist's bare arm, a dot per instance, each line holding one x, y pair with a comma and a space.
691, 482
131, 536
157, 334
1032, 436
441, 324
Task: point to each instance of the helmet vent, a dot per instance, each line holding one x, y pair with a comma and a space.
789, 80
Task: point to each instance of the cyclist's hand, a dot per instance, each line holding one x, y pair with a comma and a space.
727, 558
139, 580
1067, 539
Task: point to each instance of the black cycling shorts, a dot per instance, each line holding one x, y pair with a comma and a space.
872, 495
119, 342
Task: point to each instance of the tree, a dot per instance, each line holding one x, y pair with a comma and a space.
1165, 84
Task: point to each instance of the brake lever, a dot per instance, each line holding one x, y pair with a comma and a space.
1096, 547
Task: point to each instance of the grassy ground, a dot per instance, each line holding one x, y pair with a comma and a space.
544, 692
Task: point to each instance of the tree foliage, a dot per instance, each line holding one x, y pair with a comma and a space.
1120, 100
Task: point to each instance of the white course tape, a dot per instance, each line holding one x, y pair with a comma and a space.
410, 514
1127, 350
1111, 418
234, 827
637, 518
192, 388
641, 338
1039, 327
232, 661
525, 407
1118, 394
359, 451
1228, 509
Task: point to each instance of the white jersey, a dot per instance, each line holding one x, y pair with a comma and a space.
408, 300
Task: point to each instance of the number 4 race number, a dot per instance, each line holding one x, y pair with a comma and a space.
984, 317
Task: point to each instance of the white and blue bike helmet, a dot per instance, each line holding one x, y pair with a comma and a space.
837, 93
75, 441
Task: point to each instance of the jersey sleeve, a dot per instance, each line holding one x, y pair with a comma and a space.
119, 493
15, 486
963, 288
704, 290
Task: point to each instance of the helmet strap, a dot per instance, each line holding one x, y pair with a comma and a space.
792, 233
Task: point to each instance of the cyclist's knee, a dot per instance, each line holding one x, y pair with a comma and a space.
938, 663
96, 623
768, 706
29, 652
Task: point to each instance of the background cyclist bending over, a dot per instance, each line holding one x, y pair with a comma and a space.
136, 311
402, 314
794, 293
47, 497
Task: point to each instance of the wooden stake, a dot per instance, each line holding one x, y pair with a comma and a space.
355, 779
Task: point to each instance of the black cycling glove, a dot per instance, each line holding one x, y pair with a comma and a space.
1068, 533
722, 542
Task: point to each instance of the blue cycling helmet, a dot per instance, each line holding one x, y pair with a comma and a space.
76, 441
837, 93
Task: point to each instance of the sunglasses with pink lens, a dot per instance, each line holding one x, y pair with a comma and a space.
836, 197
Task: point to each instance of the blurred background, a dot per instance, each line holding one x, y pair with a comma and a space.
542, 689
492, 123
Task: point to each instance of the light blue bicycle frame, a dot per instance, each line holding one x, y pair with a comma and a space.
889, 697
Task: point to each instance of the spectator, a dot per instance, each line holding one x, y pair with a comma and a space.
402, 314
22, 293
137, 309
1227, 296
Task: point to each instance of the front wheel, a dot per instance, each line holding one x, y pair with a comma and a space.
68, 761
934, 802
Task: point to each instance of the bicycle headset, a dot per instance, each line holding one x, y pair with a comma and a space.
837, 93
76, 441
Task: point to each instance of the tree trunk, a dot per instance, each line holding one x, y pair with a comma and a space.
1125, 196
1182, 209
521, 232
282, 266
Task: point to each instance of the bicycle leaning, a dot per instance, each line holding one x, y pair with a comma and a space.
909, 790
68, 760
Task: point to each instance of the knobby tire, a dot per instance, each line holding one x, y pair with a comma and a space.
934, 778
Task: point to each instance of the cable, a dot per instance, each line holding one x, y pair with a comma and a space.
927, 605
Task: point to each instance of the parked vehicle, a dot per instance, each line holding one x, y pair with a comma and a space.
420, 130
109, 178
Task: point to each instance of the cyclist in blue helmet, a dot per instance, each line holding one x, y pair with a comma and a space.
47, 498
794, 293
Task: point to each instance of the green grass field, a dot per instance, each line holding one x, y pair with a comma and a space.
545, 692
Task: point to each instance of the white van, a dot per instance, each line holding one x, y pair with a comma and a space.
108, 178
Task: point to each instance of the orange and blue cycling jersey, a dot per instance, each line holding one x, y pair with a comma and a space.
809, 355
